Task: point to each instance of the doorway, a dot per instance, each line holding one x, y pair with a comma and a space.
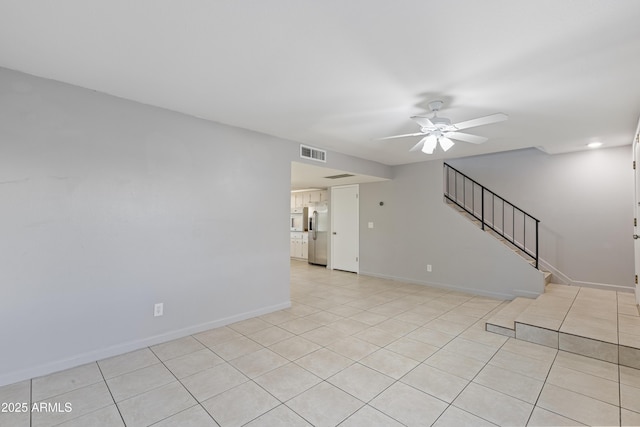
636, 210
345, 223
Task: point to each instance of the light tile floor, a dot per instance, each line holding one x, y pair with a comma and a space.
351, 351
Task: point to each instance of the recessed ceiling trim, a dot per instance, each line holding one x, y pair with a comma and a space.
342, 175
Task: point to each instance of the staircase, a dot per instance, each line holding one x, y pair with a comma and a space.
492, 213
596, 323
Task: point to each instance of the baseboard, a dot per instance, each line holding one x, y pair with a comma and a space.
605, 286
558, 276
566, 280
474, 291
118, 349
527, 294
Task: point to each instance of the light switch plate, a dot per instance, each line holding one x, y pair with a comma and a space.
370, 224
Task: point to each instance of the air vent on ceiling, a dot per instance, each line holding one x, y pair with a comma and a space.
313, 154
342, 175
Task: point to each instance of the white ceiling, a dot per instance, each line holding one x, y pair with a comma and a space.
340, 74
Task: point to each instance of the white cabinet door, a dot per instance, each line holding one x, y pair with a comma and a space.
300, 203
314, 196
305, 246
297, 247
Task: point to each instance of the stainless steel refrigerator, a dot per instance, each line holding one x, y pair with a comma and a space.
318, 233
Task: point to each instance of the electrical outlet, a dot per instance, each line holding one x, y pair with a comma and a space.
158, 309
429, 268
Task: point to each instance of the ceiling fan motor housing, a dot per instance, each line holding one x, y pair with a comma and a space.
441, 122
435, 105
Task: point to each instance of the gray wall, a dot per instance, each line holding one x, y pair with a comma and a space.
584, 201
415, 228
109, 206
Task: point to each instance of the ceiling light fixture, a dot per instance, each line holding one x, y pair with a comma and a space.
594, 144
439, 130
430, 143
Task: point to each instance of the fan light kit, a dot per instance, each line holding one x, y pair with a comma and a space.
439, 130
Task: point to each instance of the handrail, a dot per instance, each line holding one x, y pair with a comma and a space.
488, 216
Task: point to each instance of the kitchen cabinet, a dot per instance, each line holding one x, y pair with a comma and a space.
292, 247
316, 196
297, 200
312, 197
306, 198
299, 245
305, 245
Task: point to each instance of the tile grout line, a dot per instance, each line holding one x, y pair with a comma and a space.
619, 375
544, 383
469, 381
332, 385
548, 372
474, 377
110, 393
323, 380
357, 362
573, 300
450, 309
583, 373
70, 391
198, 403
288, 362
555, 356
486, 363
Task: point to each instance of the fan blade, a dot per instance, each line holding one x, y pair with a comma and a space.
466, 137
402, 136
422, 121
493, 118
445, 143
419, 145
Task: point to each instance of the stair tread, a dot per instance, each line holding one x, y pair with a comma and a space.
582, 312
593, 314
562, 290
549, 310
505, 318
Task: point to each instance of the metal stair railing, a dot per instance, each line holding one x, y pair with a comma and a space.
495, 213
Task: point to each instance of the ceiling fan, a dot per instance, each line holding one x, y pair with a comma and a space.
439, 130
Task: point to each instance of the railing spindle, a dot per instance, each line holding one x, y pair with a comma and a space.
482, 195
453, 196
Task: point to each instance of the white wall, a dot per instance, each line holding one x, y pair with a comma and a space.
415, 227
584, 201
109, 206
